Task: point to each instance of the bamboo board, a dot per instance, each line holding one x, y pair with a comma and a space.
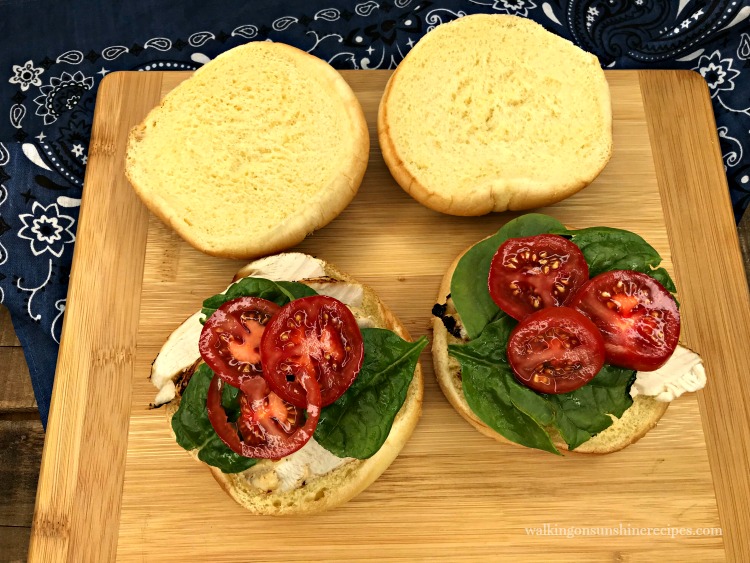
114, 485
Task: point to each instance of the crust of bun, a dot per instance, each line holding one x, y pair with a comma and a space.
285, 224
344, 483
497, 193
635, 422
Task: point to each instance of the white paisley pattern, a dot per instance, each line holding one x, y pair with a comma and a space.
61, 94
26, 75
46, 229
718, 72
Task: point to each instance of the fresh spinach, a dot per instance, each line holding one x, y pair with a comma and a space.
469, 290
512, 409
281, 293
608, 249
494, 394
193, 429
524, 416
358, 423
583, 413
604, 249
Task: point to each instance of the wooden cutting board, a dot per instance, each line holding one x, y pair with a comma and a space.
115, 485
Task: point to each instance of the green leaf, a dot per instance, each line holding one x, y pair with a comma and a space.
607, 249
359, 422
230, 400
469, 282
193, 430
516, 412
663, 277
583, 413
522, 415
280, 293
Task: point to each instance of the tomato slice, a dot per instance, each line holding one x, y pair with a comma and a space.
531, 273
267, 427
230, 339
636, 315
317, 336
555, 350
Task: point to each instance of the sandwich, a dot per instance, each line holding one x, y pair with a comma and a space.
296, 386
560, 339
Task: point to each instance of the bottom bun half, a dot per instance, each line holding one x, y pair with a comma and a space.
347, 481
635, 422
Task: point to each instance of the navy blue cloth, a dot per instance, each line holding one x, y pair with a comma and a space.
53, 56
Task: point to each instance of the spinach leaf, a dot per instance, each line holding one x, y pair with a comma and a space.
583, 413
608, 249
515, 411
469, 283
193, 430
523, 415
281, 293
358, 423
663, 277
230, 400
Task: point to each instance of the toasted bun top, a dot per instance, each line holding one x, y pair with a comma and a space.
491, 112
260, 147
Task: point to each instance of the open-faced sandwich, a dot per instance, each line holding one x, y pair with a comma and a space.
296, 385
561, 339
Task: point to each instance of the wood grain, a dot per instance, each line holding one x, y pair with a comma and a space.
717, 311
451, 493
21, 442
7, 334
743, 232
84, 455
20, 455
14, 543
16, 393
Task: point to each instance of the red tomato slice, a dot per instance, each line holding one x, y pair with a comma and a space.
230, 339
317, 336
638, 318
529, 274
555, 350
268, 427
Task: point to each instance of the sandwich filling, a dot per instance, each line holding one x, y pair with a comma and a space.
338, 438
521, 361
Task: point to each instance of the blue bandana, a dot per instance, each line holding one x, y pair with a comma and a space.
53, 59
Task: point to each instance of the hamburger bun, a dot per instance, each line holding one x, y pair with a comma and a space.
260, 147
492, 112
635, 422
324, 492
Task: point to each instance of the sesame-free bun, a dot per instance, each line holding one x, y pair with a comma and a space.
260, 147
342, 484
492, 112
635, 422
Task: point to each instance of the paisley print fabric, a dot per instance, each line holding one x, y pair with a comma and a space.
53, 56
